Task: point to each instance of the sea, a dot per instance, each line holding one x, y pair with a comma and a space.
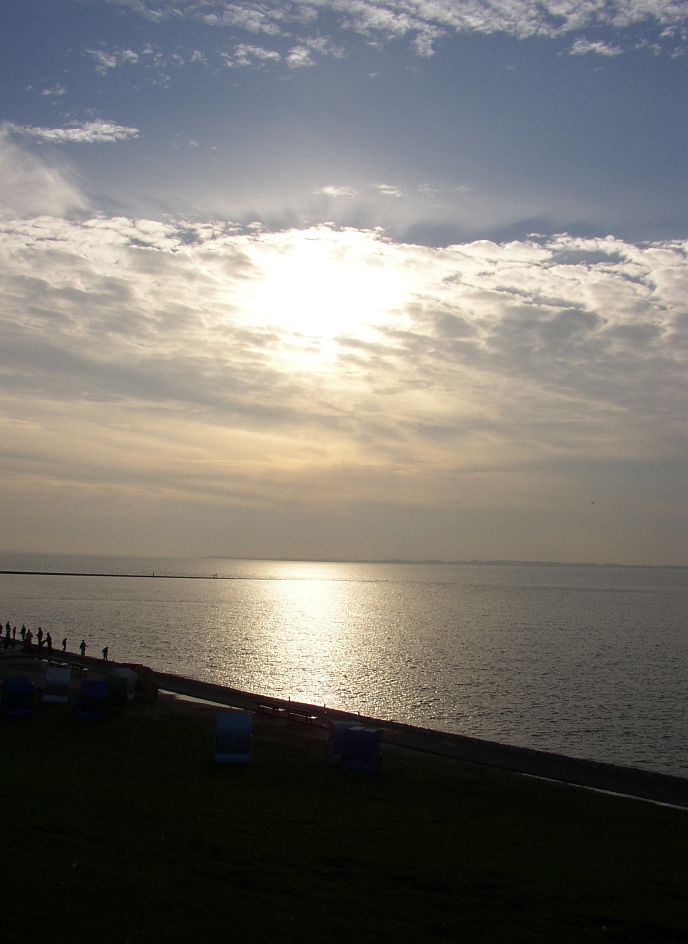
588, 661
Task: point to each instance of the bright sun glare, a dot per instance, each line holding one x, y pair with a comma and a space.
322, 284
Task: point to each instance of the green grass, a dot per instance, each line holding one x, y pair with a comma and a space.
123, 831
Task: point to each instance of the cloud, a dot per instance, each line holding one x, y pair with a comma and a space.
423, 43
300, 57
54, 91
252, 17
91, 132
147, 56
525, 310
333, 190
389, 190
107, 60
582, 47
245, 54
30, 185
252, 368
426, 21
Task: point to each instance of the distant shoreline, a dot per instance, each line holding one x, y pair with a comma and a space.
452, 563
474, 563
610, 565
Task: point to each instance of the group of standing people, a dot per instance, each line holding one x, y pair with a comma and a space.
9, 639
43, 641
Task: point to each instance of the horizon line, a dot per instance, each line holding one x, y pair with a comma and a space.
505, 562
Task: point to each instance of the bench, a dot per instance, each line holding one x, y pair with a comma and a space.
301, 714
271, 708
293, 712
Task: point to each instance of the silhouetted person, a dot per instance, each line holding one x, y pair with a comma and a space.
49, 642
105, 653
22, 632
64, 644
27, 641
39, 635
82, 648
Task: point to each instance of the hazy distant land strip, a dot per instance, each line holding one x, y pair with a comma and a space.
439, 563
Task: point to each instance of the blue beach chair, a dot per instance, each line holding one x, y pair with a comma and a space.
232, 737
92, 702
336, 739
17, 697
361, 749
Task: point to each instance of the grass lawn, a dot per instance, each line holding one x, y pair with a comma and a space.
123, 831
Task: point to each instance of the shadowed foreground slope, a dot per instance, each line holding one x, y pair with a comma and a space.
123, 831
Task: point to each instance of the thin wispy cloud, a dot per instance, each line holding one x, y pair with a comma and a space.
91, 132
583, 47
245, 55
54, 91
152, 58
389, 190
333, 190
105, 60
30, 185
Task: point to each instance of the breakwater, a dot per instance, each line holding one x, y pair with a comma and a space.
89, 573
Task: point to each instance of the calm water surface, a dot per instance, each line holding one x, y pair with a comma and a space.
587, 661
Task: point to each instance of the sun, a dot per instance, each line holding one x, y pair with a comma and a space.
320, 284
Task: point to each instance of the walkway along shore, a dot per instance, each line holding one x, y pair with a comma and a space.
613, 778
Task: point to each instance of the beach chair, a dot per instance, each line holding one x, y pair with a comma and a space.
56, 684
121, 671
232, 737
361, 749
92, 701
17, 697
336, 739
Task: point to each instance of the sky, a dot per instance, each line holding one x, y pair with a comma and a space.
345, 279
